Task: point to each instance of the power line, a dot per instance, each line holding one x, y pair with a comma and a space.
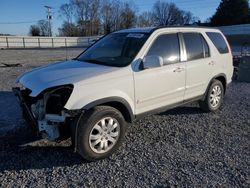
189, 4
23, 22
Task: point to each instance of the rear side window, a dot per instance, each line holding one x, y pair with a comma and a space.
218, 41
166, 46
194, 46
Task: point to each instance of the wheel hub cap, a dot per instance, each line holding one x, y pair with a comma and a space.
104, 135
215, 96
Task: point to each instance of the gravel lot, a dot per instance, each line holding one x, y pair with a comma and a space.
181, 147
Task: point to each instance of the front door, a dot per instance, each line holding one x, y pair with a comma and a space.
165, 85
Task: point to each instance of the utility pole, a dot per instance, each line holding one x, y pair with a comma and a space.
49, 18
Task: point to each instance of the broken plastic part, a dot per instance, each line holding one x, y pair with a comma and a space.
51, 131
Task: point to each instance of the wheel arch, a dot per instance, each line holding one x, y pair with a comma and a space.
116, 102
222, 78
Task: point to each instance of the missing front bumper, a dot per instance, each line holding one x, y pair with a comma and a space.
27, 114
44, 124
47, 127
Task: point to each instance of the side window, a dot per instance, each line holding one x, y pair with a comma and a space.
194, 46
166, 46
218, 41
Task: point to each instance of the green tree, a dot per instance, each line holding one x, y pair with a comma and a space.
42, 28
69, 30
231, 12
35, 30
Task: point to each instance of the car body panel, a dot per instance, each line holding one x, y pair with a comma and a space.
160, 86
62, 73
116, 84
144, 90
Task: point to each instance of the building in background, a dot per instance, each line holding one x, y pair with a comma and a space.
238, 37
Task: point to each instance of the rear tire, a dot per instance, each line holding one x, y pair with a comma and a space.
100, 132
214, 97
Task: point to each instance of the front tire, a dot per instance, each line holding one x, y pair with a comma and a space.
214, 97
100, 132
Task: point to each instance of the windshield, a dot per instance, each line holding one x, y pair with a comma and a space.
116, 49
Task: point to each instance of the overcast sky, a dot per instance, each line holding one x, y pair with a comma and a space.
16, 16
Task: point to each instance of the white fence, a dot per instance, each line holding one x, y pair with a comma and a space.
57, 42
45, 42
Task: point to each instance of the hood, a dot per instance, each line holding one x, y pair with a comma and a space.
62, 73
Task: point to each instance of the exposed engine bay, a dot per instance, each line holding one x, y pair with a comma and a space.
47, 109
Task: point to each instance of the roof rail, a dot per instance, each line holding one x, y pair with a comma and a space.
181, 26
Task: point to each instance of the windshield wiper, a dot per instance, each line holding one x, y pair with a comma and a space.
94, 61
91, 61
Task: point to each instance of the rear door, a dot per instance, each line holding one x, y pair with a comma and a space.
198, 65
224, 60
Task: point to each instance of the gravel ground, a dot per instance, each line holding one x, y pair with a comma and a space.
29, 59
182, 147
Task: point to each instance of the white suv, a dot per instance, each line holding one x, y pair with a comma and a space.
124, 76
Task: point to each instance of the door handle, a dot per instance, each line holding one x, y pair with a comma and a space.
178, 69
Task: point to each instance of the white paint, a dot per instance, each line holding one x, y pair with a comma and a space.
44, 42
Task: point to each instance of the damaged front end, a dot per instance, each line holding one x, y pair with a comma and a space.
46, 112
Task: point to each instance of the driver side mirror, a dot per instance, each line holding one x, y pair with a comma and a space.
152, 61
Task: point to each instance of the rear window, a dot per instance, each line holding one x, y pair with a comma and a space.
218, 41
